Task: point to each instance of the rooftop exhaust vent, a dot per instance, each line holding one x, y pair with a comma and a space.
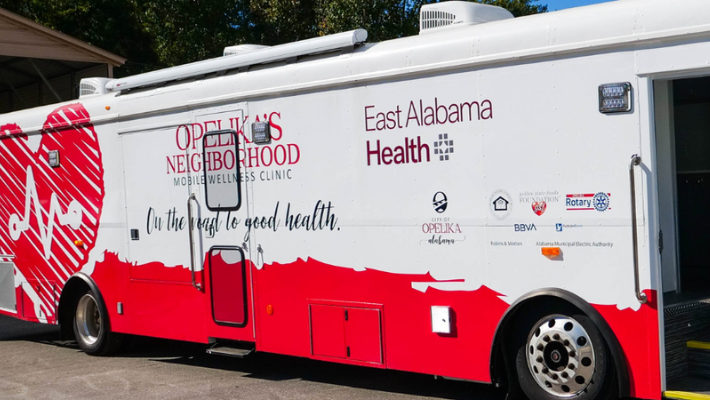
437, 16
93, 86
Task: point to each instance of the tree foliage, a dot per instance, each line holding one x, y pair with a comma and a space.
158, 33
288, 20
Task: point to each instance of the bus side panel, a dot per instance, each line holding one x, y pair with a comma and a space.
638, 337
50, 212
408, 341
449, 186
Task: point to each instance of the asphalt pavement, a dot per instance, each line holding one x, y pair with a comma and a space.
34, 364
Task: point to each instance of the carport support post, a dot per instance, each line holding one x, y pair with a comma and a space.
12, 103
46, 82
72, 84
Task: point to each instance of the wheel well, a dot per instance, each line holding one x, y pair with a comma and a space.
76, 286
516, 321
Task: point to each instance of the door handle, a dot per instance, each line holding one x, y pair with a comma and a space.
641, 296
192, 240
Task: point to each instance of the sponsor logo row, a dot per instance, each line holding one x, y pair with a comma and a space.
501, 203
444, 231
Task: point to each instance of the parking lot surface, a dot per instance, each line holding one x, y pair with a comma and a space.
35, 365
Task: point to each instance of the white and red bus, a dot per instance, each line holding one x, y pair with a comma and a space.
518, 201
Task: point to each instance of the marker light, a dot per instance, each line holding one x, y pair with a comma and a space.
551, 252
79, 243
270, 309
53, 158
261, 132
615, 98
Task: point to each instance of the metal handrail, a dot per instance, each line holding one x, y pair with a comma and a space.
635, 160
6, 256
192, 241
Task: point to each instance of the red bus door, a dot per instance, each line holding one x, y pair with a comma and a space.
226, 278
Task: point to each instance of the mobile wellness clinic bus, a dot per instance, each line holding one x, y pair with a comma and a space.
519, 201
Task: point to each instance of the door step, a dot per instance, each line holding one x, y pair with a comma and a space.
677, 395
699, 359
685, 321
230, 351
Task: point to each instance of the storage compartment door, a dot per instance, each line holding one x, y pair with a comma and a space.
7, 287
363, 335
327, 332
48, 293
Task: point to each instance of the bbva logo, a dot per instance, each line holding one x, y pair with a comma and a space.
525, 227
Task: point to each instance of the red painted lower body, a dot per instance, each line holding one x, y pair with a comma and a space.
638, 335
388, 325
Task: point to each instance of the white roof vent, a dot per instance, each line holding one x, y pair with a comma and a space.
93, 86
437, 16
242, 49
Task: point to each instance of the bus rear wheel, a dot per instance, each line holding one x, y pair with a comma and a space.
91, 327
565, 357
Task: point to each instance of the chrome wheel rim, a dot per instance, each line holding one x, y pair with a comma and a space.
560, 356
88, 319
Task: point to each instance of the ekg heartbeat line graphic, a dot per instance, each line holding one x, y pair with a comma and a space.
18, 226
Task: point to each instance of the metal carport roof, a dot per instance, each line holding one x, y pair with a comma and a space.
39, 65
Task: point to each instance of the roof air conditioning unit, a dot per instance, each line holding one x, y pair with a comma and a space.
93, 87
437, 16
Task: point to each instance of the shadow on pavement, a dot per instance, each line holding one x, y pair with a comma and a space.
274, 367
267, 366
13, 329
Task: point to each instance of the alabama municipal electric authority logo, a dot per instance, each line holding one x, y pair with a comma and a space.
601, 201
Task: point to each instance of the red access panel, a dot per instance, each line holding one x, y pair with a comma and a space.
363, 335
327, 331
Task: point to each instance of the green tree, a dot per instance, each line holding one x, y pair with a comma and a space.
190, 30
518, 8
279, 21
158, 33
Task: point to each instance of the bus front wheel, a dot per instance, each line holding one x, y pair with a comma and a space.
565, 357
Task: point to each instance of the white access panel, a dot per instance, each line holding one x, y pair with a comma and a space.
7, 287
441, 319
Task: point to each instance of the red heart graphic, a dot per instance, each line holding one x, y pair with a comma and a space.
44, 209
539, 207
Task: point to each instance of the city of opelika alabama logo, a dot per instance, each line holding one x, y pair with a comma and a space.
440, 202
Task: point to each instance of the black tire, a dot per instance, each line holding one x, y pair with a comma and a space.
92, 329
556, 369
